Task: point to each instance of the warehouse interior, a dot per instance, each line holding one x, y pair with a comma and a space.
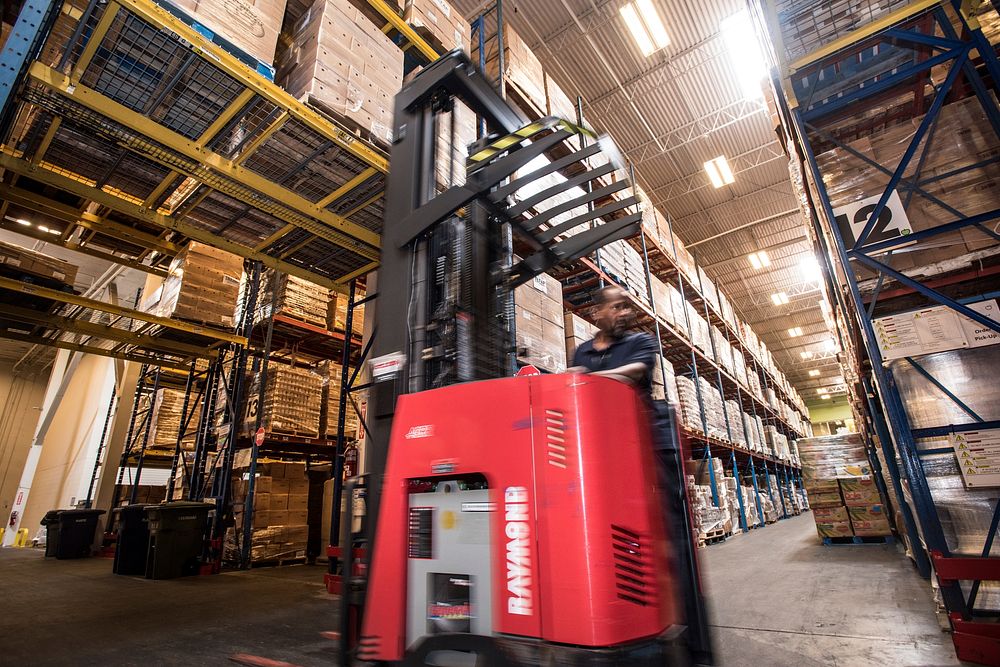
295, 295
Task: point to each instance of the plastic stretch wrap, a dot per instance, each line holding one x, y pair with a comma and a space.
202, 285
690, 411
167, 417
292, 401
294, 297
330, 374
970, 374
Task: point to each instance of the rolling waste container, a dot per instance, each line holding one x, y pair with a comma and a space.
176, 538
70, 533
132, 546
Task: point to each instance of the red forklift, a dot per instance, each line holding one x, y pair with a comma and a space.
512, 519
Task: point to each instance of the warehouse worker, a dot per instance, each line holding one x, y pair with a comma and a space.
631, 357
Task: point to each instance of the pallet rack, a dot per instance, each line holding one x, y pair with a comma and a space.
879, 71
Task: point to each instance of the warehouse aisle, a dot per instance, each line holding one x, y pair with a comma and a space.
780, 598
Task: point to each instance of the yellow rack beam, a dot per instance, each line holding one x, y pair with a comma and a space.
159, 134
105, 332
407, 31
863, 33
103, 306
81, 189
238, 70
91, 349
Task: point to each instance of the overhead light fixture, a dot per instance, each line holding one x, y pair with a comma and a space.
821, 391
814, 373
719, 172
795, 332
54, 231
779, 298
825, 397
810, 269
647, 28
830, 345
42, 228
759, 260
22, 221
806, 354
744, 52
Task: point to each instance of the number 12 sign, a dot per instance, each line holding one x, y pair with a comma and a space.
892, 221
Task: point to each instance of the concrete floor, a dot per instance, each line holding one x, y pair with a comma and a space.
778, 599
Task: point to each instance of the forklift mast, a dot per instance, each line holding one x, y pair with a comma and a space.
447, 270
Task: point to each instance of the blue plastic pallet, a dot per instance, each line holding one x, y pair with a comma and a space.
881, 539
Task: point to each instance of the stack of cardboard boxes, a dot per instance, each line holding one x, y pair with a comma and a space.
520, 68
280, 512
841, 491
578, 332
284, 294
202, 285
538, 315
337, 314
16, 259
292, 401
439, 23
329, 373
341, 62
252, 26
167, 417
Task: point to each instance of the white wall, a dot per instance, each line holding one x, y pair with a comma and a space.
20, 405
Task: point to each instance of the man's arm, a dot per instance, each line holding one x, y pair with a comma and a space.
641, 361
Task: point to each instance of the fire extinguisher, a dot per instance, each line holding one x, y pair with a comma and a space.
350, 462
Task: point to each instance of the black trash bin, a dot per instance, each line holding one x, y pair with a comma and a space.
176, 538
51, 523
76, 533
132, 546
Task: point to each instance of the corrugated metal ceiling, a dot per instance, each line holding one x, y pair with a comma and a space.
670, 113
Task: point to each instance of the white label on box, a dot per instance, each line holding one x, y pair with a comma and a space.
443, 6
541, 284
892, 222
978, 455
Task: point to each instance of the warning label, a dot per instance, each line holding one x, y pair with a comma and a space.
978, 455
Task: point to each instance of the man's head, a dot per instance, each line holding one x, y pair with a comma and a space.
613, 312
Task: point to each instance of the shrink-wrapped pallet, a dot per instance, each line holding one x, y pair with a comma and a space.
202, 285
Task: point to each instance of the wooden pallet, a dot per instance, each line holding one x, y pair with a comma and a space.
859, 539
278, 562
712, 537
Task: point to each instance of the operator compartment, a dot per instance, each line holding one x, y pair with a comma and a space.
525, 508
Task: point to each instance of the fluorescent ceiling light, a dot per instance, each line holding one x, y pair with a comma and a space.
814, 373
809, 267
647, 28
22, 221
744, 52
825, 397
54, 231
779, 298
654, 24
795, 332
821, 391
42, 229
806, 354
759, 259
719, 172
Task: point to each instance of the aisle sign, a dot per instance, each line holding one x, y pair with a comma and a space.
978, 455
934, 330
975, 333
892, 221
919, 332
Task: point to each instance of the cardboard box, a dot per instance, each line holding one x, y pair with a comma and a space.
867, 513
438, 22
278, 518
834, 529
279, 502
539, 323
298, 502
28, 261
261, 518
292, 402
250, 25
296, 517
860, 492
341, 62
821, 485
830, 514
279, 486
828, 499
202, 285
875, 528
521, 68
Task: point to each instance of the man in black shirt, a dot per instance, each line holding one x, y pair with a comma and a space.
615, 351
631, 357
